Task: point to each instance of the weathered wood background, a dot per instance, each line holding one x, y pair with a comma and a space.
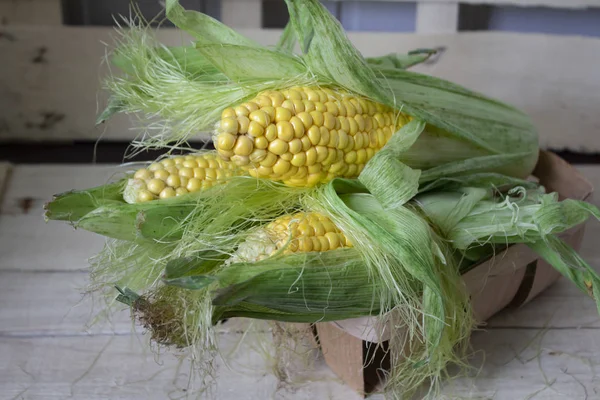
50, 90
50, 77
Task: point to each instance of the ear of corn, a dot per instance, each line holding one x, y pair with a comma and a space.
304, 136
177, 176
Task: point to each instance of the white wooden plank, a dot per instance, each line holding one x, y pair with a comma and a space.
59, 99
33, 185
27, 243
517, 364
56, 304
437, 18
121, 368
38, 12
242, 13
42, 304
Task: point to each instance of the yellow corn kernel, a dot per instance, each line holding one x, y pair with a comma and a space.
285, 131
243, 146
282, 114
228, 113
298, 126
167, 193
155, 185
229, 125
144, 195
244, 124
261, 143
260, 117
295, 146
143, 174
278, 147
255, 130
162, 174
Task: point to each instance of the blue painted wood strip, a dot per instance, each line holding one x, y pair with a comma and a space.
378, 16
333, 7
546, 20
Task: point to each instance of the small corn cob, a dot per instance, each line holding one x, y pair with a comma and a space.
176, 176
298, 233
305, 136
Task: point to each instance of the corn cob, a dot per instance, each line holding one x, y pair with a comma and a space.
176, 176
305, 135
301, 232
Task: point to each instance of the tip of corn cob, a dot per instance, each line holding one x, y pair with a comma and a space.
177, 176
299, 233
304, 136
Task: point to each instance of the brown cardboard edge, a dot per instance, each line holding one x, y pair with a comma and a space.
343, 353
557, 175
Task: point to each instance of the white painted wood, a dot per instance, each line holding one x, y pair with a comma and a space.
37, 304
242, 13
538, 73
437, 18
42, 304
40, 182
120, 368
60, 97
27, 243
38, 12
517, 365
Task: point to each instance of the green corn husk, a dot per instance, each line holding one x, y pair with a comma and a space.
445, 192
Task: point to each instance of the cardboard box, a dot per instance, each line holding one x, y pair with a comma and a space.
510, 279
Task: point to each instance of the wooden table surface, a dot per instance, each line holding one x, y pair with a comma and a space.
549, 349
